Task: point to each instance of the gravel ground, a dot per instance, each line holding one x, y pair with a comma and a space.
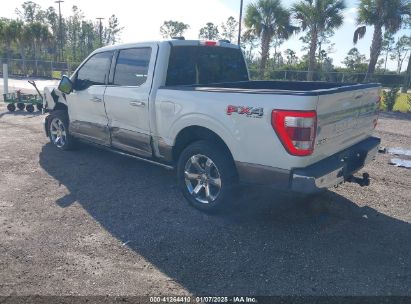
89, 222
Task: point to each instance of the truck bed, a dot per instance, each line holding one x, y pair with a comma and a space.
304, 88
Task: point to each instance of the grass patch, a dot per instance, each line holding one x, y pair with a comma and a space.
56, 74
402, 103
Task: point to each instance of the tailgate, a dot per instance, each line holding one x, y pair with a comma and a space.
345, 118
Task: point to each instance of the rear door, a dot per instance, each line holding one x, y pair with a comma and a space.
87, 114
127, 99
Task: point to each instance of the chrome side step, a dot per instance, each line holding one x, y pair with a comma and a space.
168, 167
106, 148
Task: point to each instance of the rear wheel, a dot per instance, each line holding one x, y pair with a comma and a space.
30, 108
59, 131
206, 175
11, 107
20, 106
39, 106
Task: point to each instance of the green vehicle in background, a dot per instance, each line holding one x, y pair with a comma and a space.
23, 101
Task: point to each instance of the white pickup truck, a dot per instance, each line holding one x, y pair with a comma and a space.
190, 105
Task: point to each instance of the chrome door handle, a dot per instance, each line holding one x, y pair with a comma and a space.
96, 99
137, 103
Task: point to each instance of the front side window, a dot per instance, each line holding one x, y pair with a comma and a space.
132, 67
94, 71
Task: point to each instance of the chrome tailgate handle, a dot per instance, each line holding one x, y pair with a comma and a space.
136, 103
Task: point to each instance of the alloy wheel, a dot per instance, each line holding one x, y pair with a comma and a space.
202, 178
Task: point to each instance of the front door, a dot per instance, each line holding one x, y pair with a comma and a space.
88, 119
127, 99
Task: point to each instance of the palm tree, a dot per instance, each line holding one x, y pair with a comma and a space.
40, 36
10, 30
266, 19
407, 78
382, 14
318, 17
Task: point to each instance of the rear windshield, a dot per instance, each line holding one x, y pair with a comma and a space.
190, 65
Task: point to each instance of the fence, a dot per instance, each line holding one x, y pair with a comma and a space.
388, 80
38, 68
51, 69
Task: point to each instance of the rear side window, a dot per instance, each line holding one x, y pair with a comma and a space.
204, 65
132, 67
94, 71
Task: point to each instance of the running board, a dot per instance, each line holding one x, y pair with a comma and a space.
150, 161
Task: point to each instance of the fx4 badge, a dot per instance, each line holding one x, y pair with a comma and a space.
247, 111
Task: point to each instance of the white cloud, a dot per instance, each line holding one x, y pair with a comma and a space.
144, 23
350, 15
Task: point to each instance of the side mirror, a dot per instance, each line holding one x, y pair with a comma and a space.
65, 85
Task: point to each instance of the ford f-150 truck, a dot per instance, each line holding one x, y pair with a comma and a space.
190, 105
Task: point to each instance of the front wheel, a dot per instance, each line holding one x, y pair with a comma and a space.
207, 176
59, 131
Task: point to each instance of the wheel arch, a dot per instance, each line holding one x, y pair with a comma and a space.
60, 107
191, 134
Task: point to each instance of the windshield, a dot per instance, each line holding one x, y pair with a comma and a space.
189, 65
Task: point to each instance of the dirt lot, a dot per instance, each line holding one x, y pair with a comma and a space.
89, 222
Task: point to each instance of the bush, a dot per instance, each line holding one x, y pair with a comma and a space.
403, 103
390, 97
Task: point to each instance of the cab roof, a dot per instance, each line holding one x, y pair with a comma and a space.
173, 42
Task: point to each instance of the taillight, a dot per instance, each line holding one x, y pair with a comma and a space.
209, 43
296, 130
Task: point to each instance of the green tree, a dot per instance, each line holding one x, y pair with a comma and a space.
10, 31
52, 20
291, 57
113, 31
407, 78
355, 61
209, 32
384, 16
73, 33
30, 12
35, 34
400, 51
172, 28
388, 43
266, 19
230, 29
318, 17
249, 44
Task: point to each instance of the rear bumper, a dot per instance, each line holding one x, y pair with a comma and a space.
334, 169
324, 174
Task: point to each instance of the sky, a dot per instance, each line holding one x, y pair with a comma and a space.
142, 19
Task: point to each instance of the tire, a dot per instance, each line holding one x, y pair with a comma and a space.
39, 106
11, 107
207, 176
20, 106
58, 129
30, 108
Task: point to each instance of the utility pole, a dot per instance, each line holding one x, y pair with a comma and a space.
60, 30
239, 22
101, 31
